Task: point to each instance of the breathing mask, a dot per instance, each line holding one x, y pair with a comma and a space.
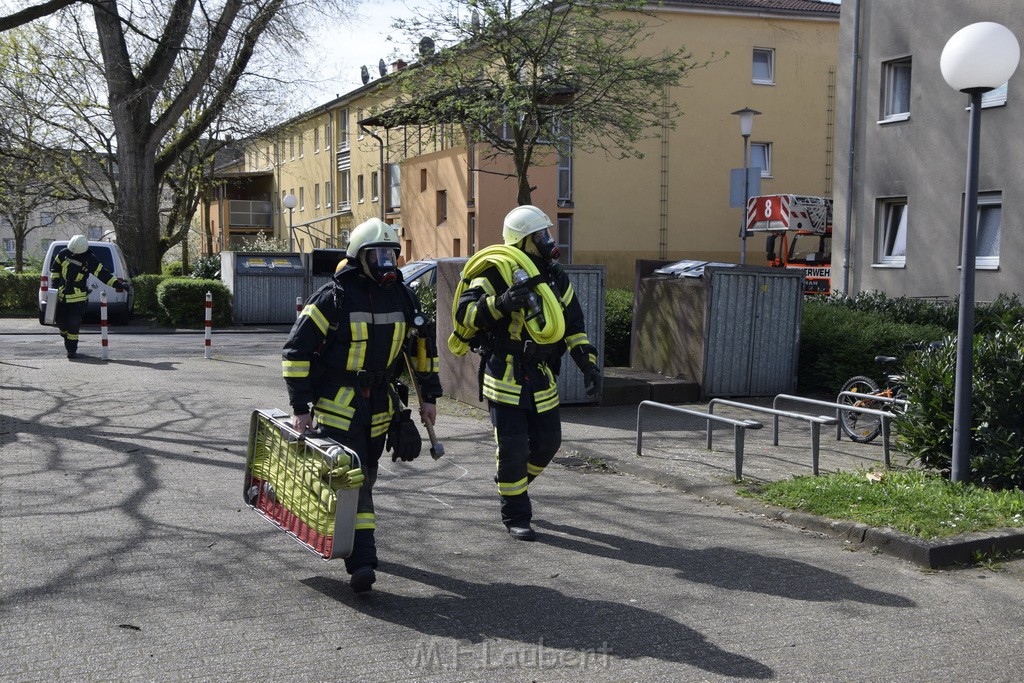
544, 245
379, 264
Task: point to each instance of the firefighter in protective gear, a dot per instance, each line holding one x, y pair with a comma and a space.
341, 361
518, 373
69, 275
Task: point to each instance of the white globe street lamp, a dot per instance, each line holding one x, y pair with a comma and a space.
977, 59
289, 201
746, 127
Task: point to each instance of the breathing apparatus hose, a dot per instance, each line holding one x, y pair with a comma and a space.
507, 259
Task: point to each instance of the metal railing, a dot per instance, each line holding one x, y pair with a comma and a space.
815, 422
739, 428
884, 415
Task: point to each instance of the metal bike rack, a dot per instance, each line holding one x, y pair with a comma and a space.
739, 428
815, 422
884, 415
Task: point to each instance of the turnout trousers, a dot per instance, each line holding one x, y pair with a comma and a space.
527, 441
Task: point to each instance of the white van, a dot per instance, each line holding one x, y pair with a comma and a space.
120, 305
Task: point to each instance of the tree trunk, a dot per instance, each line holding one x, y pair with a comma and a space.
137, 215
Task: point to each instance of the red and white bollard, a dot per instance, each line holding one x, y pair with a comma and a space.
103, 325
209, 324
298, 307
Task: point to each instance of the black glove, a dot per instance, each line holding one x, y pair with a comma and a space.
403, 437
592, 380
515, 298
121, 284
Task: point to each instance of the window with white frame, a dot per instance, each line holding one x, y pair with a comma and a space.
764, 66
327, 136
316, 195
302, 199
327, 193
394, 187
344, 190
343, 130
360, 189
302, 143
359, 117
990, 219
761, 157
9, 245
374, 184
896, 101
892, 232
316, 140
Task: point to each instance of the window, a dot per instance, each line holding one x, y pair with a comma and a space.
764, 66
761, 157
394, 187
896, 77
564, 179
564, 238
360, 189
892, 232
9, 245
327, 136
423, 180
344, 190
302, 199
316, 140
327, 193
302, 142
343, 130
373, 186
442, 206
291, 147
359, 117
990, 218
316, 195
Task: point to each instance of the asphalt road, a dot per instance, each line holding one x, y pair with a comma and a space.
127, 553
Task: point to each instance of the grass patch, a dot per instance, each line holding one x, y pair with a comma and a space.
917, 503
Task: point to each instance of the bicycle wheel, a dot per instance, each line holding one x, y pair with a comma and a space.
860, 427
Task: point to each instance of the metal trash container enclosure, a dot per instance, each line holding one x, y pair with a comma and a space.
264, 286
735, 330
322, 263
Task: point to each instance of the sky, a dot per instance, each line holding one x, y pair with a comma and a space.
364, 41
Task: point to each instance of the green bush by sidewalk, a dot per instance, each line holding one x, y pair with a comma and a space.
182, 302
19, 292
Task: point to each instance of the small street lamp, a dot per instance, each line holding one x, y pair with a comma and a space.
289, 201
977, 59
746, 126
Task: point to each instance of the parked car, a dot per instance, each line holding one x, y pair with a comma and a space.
423, 272
120, 305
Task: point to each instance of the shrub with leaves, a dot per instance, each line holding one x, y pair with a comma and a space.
925, 432
207, 268
172, 269
145, 294
19, 292
618, 327
838, 342
183, 302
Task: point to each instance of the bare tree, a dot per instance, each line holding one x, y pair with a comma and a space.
33, 12
528, 76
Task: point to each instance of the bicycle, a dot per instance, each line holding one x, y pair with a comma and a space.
865, 428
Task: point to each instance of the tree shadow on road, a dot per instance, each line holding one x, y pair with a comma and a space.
563, 630
723, 567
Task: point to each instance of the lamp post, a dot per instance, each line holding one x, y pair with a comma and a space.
746, 126
978, 58
289, 201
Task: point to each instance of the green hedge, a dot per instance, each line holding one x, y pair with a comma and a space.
145, 287
19, 292
182, 302
618, 326
925, 432
837, 342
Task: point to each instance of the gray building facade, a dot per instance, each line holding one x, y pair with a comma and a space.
901, 154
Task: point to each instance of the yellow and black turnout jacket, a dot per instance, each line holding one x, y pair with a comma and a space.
70, 275
346, 348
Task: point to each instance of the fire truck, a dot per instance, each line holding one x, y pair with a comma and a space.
799, 235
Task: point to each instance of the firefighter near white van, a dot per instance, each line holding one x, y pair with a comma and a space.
799, 235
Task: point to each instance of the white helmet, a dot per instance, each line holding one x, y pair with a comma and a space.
376, 247
78, 244
522, 221
372, 233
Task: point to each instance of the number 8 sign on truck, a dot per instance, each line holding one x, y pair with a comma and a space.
803, 225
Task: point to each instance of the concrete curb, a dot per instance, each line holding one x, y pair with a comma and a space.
931, 554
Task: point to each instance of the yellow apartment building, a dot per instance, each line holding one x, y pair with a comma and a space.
778, 57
